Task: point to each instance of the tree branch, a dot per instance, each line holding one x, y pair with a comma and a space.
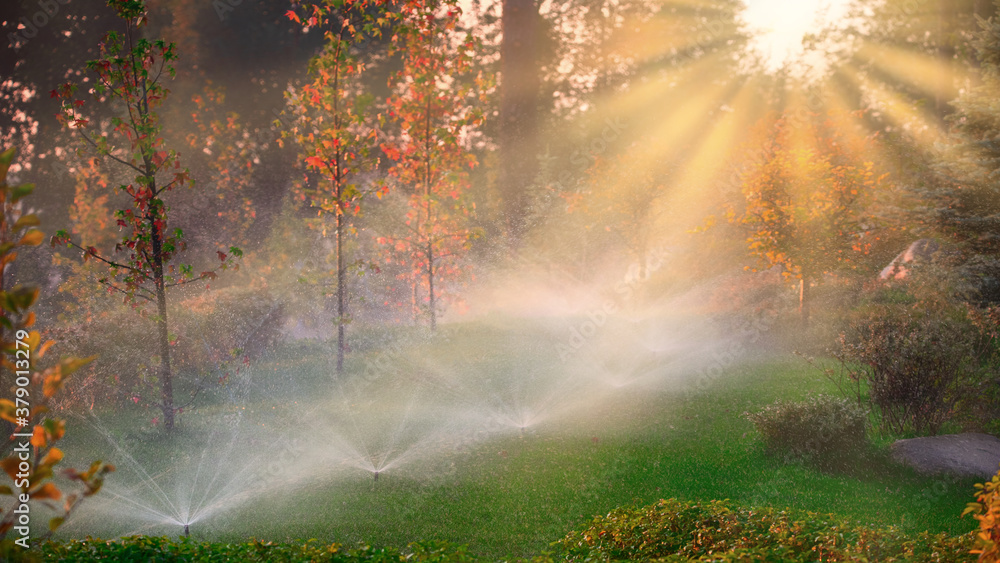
127, 293
102, 259
109, 155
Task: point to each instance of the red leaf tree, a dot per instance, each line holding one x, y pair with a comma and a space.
143, 264
331, 126
435, 106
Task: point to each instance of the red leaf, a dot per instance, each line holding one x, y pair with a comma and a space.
222, 255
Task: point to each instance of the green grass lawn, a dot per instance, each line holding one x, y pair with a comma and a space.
511, 493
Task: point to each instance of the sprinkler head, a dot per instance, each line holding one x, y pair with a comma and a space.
376, 476
187, 531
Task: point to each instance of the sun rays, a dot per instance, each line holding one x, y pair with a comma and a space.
690, 100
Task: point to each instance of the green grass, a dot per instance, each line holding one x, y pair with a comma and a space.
514, 494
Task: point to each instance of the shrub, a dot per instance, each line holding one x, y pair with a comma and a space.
681, 531
979, 405
914, 363
213, 332
987, 511
820, 429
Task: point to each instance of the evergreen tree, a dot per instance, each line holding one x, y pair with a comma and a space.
965, 201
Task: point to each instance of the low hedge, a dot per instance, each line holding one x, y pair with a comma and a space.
148, 549
669, 531
676, 531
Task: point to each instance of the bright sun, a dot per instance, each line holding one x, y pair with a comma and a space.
779, 25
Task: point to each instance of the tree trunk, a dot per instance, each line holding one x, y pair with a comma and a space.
338, 186
804, 301
414, 303
341, 290
430, 231
163, 333
430, 286
520, 85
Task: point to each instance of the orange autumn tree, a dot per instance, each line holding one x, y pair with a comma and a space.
435, 106
805, 193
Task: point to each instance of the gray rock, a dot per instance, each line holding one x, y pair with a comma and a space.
965, 455
920, 250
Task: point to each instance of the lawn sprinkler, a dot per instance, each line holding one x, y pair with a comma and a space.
376, 476
187, 530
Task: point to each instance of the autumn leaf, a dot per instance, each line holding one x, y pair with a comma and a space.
38, 437
9, 465
53, 457
48, 491
34, 237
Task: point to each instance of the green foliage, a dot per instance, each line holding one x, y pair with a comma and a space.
960, 199
965, 200
674, 530
218, 323
822, 429
165, 550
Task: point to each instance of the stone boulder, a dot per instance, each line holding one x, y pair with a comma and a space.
964, 455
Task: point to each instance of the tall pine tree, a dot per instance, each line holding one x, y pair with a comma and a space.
965, 202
